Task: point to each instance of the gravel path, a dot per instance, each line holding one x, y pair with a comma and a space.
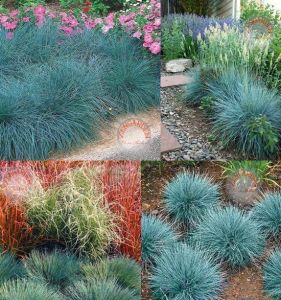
191, 128
135, 146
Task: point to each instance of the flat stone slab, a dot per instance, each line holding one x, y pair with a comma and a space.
168, 141
174, 80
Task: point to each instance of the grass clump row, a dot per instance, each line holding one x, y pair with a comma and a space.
59, 91
185, 257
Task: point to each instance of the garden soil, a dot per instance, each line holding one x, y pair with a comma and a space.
245, 284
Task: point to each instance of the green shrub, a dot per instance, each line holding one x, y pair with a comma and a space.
74, 213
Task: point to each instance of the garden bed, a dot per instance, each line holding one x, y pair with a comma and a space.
70, 230
235, 81
192, 128
238, 283
73, 77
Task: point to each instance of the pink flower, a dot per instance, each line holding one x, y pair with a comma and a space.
137, 35
155, 48
123, 19
39, 10
25, 19
148, 28
106, 28
14, 13
9, 35
10, 25
66, 29
148, 38
130, 24
3, 19
157, 22
98, 20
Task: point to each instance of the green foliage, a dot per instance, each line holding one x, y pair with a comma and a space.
272, 275
29, 3
156, 236
27, 290
99, 8
172, 41
125, 271
9, 268
259, 168
189, 196
251, 9
184, 273
230, 235
207, 104
267, 214
74, 213
56, 269
70, 3
107, 289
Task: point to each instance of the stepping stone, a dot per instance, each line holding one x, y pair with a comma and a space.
174, 80
168, 141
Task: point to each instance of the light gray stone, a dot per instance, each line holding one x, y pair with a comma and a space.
178, 65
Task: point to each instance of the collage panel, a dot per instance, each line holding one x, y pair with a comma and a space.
221, 80
211, 230
70, 230
78, 81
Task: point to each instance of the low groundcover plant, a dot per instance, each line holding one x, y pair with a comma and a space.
59, 90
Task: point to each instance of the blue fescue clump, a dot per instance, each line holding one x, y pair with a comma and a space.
104, 289
246, 114
267, 214
58, 91
188, 196
197, 88
156, 236
184, 273
10, 268
125, 271
230, 235
272, 276
27, 290
56, 269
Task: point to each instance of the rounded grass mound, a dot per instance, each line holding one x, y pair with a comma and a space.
267, 214
231, 236
272, 276
184, 273
104, 289
27, 290
9, 268
188, 196
56, 269
58, 91
156, 236
125, 271
74, 213
247, 116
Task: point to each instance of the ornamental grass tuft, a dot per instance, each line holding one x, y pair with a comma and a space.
188, 196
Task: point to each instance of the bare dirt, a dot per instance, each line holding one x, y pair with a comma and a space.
245, 284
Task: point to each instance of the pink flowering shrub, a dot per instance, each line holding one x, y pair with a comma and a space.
142, 23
